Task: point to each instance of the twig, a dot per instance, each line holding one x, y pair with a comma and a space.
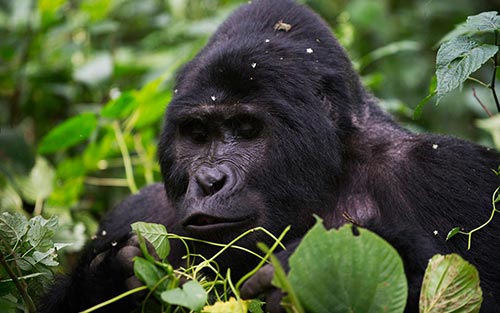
480, 102
493, 79
20, 285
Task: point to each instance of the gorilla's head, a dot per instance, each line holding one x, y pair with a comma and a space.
253, 135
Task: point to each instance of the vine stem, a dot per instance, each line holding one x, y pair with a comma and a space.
493, 79
20, 285
469, 233
121, 296
266, 257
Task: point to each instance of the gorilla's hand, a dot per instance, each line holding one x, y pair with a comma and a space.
118, 261
260, 284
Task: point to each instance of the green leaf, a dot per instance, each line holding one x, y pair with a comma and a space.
8, 304
450, 283
147, 272
452, 232
457, 59
484, 22
39, 184
365, 273
152, 103
46, 258
120, 107
156, 234
255, 306
41, 231
191, 295
12, 227
70, 133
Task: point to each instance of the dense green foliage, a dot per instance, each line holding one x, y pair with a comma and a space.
365, 274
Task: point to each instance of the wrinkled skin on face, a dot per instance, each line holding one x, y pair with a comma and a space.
270, 125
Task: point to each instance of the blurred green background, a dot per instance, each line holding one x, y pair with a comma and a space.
61, 58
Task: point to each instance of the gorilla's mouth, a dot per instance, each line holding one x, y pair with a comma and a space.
202, 222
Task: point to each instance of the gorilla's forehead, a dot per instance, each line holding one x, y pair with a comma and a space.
214, 111
249, 55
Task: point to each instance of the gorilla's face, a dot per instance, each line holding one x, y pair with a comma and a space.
218, 148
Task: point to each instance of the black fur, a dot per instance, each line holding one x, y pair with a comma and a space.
322, 147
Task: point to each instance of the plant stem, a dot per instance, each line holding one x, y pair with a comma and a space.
21, 286
481, 103
469, 233
121, 296
116, 182
129, 173
266, 257
478, 81
146, 162
493, 79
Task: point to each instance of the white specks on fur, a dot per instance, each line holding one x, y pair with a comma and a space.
435, 146
213, 98
309, 50
435, 232
104, 232
267, 40
254, 65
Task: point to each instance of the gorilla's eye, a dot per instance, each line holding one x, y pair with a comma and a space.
195, 131
246, 128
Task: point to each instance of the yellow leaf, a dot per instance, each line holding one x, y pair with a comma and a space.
233, 306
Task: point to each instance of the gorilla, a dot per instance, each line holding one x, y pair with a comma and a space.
270, 125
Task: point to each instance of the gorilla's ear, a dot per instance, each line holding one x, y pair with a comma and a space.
341, 96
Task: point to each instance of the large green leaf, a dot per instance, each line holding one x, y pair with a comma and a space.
69, 133
120, 107
457, 59
484, 22
450, 284
337, 271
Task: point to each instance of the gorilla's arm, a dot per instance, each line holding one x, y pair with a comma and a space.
105, 268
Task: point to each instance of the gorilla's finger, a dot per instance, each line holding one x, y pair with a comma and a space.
273, 301
97, 261
134, 241
125, 256
258, 283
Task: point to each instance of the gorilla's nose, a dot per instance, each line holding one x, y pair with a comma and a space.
210, 180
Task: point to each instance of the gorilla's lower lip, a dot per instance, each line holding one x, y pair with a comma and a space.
206, 223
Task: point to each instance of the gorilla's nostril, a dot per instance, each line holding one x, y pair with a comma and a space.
211, 180
216, 186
